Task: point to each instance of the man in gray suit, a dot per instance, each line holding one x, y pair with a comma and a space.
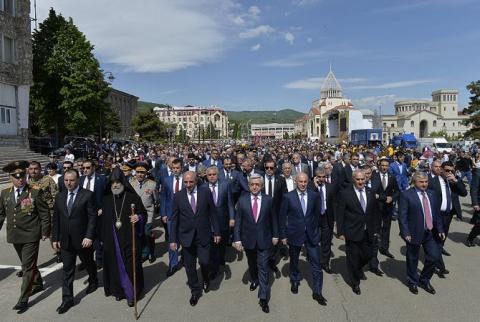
297, 165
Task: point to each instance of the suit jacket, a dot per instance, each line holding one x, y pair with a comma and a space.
303, 167
294, 225
187, 225
338, 174
253, 234
224, 210
233, 175
475, 188
352, 220
312, 166
166, 196
279, 189
241, 181
402, 177
155, 168
99, 188
456, 189
209, 163
410, 215
71, 229
25, 224
331, 198
391, 190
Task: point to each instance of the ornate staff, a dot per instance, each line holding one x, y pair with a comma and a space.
134, 255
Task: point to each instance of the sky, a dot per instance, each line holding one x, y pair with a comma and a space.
274, 54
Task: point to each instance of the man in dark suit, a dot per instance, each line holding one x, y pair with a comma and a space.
73, 231
225, 214
170, 186
256, 230
327, 193
399, 169
192, 164
275, 187
386, 192
419, 219
446, 187
349, 168
241, 181
214, 160
66, 166
312, 165
192, 223
358, 223
338, 171
96, 183
228, 172
297, 165
475, 221
300, 226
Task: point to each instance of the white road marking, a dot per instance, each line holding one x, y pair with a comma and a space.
44, 270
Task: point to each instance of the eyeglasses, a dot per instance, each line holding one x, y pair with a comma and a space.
448, 170
266, 168
66, 168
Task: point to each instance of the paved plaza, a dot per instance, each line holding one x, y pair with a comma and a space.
383, 298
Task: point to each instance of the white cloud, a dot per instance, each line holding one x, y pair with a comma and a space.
238, 20
256, 32
316, 82
254, 11
156, 36
289, 37
255, 47
386, 102
398, 84
309, 40
302, 3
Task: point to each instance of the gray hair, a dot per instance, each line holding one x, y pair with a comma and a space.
213, 167
285, 163
357, 171
419, 175
255, 176
320, 170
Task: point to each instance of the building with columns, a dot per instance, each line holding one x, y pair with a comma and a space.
195, 121
422, 117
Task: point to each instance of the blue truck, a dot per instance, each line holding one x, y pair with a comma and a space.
366, 137
408, 141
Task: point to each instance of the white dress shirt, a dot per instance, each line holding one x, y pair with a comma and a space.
443, 187
92, 183
364, 195
180, 181
290, 183
75, 192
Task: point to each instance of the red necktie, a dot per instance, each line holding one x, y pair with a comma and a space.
177, 185
426, 210
255, 208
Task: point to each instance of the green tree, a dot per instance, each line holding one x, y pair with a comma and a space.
150, 128
68, 96
285, 136
473, 109
211, 132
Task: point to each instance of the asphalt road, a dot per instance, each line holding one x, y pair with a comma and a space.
383, 298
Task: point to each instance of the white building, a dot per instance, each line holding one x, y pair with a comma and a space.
422, 117
272, 130
195, 121
332, 117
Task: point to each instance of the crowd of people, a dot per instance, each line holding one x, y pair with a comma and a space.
270, 200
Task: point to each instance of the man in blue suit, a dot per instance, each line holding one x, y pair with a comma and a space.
96, 183
170, 186
419, 218
192, 223
214, 160
225, 213
400, 170
300, 226
256, 230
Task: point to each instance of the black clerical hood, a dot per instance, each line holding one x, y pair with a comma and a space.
117, 175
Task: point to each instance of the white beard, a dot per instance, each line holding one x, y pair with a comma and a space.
117, 191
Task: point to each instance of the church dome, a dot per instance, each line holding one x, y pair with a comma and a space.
331, 87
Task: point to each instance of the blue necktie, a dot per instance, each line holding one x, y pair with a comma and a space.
302, 201
322, 209
449, 196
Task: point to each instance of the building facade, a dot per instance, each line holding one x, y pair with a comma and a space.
422, 117
195, 121
332, 117
273, 130
15, 71
125, 105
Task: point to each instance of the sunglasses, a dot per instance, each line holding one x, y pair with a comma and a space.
448, 170
269, 168
87, 168
66, 168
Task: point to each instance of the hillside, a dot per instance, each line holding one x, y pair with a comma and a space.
282, 116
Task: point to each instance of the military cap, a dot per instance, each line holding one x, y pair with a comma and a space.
16, 168
126, 167
142, 167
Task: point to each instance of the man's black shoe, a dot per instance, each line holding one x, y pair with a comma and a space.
37, 290
92, 287
21, 306
253, 286
427, 287
356, 289
294, 287
152, 259
413, 289
469, 243
19, 274
173, 270
64, 307
320, 299
264, 306
445, 253
386, 253
206, 286
194, 300
327, 269
376, 271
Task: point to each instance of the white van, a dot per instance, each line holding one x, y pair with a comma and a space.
441, 145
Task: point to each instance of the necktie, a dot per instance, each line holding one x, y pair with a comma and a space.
214, 195
449, 196
255, 208
298, 168
140, 184
362, 200
227, 174
302, 201
192, 202
70, 203
384, 181
270, 186
89, 182
426, 211
17, 196
177, 184
322, 198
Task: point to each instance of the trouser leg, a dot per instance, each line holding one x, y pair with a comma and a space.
252, 264
262, 262
412, 263
86, 256
432, 257
69, 257
294, 252
317, 273
28, 254
353, 251
190, 263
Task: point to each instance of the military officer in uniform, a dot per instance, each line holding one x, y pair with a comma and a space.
28, 221
145, 188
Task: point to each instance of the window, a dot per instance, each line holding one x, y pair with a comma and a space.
434, 123
412, 123
453, 124
444, 125
384, 125
391, 125
8, 50
8, 115
2, 115
8, 6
